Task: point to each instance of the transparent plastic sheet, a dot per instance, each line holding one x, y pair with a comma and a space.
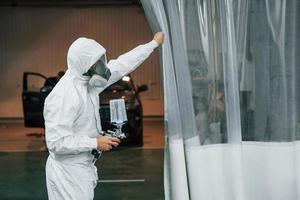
182, 72
191, 137
198, 64
269, 79
245, 50
175, 170
210, 45
215, 171
268, 72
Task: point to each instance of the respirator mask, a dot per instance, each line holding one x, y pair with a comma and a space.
99, 73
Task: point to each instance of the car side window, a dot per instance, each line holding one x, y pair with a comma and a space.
35, 83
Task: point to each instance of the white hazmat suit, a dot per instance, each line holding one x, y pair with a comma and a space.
72, 120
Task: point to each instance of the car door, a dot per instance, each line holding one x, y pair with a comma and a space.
33, 99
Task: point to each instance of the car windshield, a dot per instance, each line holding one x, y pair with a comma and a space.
120, 86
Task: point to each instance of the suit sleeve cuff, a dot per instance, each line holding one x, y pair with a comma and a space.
93, 143
153, 44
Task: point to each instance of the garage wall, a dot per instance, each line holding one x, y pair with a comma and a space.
37, 38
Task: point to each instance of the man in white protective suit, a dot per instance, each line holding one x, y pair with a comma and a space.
72, 121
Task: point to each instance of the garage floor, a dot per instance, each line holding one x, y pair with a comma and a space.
126, 173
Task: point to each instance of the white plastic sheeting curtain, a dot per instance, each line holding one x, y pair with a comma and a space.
231, 87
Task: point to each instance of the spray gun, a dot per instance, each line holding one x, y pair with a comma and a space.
118, 118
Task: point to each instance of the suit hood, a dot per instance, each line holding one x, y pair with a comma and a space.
82, 54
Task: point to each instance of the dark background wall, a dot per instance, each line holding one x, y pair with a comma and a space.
37, 39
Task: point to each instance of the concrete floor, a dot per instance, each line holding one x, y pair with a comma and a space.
125, 173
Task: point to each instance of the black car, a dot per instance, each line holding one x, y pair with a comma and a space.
33, 105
